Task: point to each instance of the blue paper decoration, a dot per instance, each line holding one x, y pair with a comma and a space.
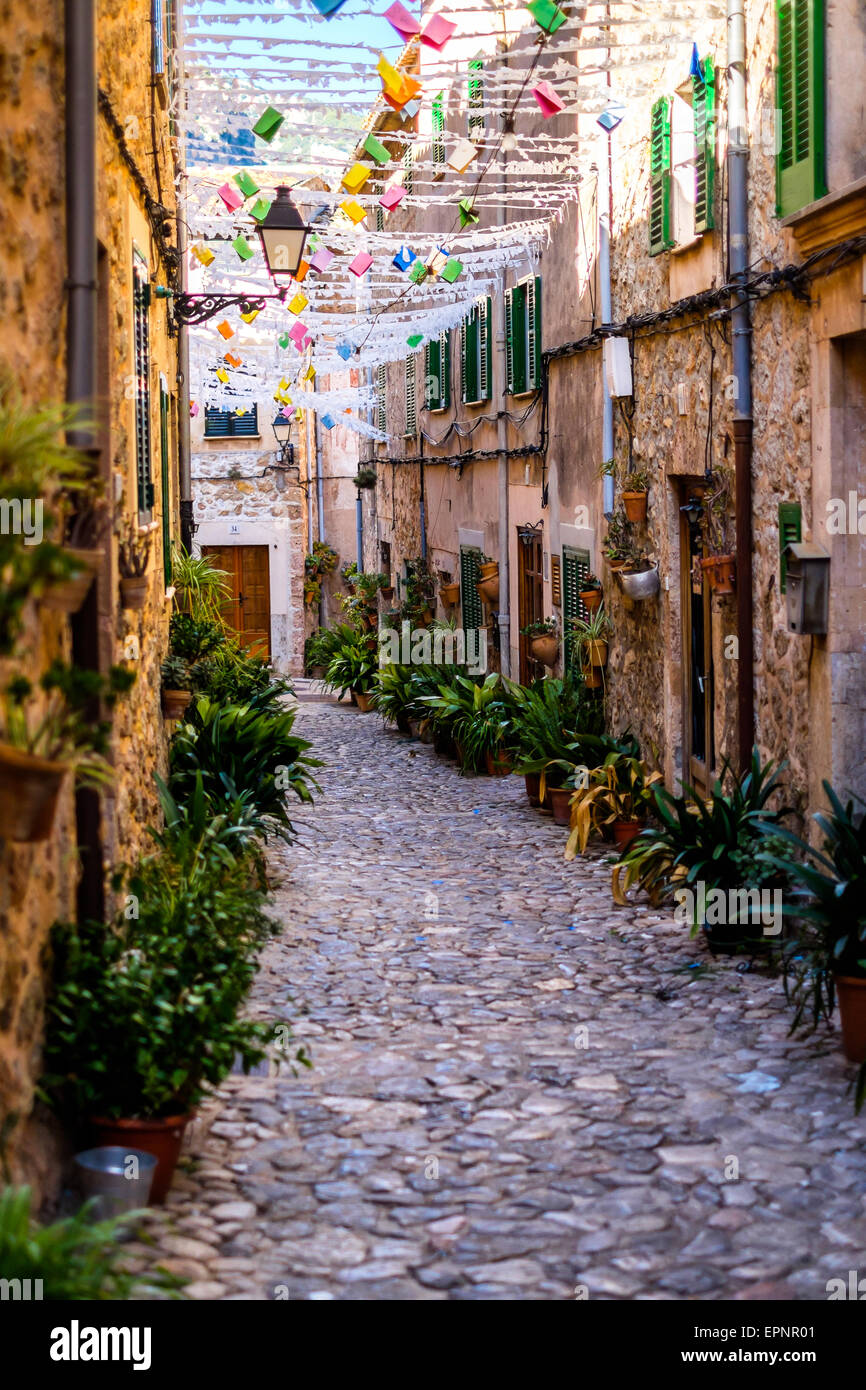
327, 7
328, 421
695, 69
404, 258
345, 350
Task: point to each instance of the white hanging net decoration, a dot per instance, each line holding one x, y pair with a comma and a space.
472, 145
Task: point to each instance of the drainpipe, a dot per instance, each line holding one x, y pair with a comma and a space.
741, 324
359, 531
422, 510
308, 425
500, 382
80, 43
605, 217
184, 451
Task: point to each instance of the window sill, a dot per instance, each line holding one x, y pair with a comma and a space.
684, 246
830, 219
229, 438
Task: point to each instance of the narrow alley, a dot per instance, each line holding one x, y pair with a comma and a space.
517, 1090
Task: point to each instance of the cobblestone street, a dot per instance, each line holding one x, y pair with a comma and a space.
518, 1090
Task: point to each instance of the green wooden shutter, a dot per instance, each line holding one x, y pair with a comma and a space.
703, 107
470, 599
790, 532
165, 499
475, 99
485, 356
800, 175
408, 169
141, 354
431, 373
509, 341
437, 145
444, 369
411, 401
515, 339
381, 396
575, 568
469, 359
533, 333
660, 177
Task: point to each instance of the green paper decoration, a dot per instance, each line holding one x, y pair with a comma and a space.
247, 184
376, 150
418, 272
283, 340
268, 124
467, 213
261, 209
243, 248
416, 340
452, 270
548, 15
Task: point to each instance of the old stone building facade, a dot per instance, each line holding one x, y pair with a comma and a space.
88, 252
509, 459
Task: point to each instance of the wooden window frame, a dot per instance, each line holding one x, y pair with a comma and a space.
141, 377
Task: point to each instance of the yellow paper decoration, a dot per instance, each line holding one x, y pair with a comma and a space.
284, 385
356, 177
309, 373
353, 210
202, 254
298, 304
222, 374
248, 318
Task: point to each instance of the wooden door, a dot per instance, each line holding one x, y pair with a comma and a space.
248, 608
699, 752
530, 598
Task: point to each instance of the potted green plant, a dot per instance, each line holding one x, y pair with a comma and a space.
449, 592
133, 552
46, 734
634, 495
618, 793
419, 588
543, 641
719, 565
590, 637
176, 686
85, 518
353, 668
365, 478
826, 958
590, 592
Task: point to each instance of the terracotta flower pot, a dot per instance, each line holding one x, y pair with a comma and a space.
591, 599
362, 700
387, 591
497, 766
533, 787
596, 652
29, 788
544, 648
162, 1138
635, 506
68, 596
174, 703
719, 570
488, 590
560, 798
489, 570
624, 831
851, 992
449, 594
133, 591
592, 677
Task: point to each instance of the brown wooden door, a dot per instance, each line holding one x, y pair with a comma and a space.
530, 598
699, 753
248, 609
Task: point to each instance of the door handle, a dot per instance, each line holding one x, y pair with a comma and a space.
701, 684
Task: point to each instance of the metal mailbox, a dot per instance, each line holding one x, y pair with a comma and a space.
807, 586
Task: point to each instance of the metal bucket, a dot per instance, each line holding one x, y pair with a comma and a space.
641, 584
119, 1179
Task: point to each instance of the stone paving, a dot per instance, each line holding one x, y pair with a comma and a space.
519, 1091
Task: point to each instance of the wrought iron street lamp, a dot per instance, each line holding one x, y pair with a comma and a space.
285, 467
283, 233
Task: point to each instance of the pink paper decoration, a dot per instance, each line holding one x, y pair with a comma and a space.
231, 197
392, 196
400, 19
322, 259
438, 32
361, 264
298, 333
547, 99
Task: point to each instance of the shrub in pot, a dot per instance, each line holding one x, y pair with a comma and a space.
590, 593
590, 638
543, 641
133, 552
176, 686
634, 495
616, 794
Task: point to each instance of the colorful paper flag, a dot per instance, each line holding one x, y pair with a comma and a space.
400, 19
328, 421
301, 272
452, 270
467, 211
403, 258
418, 273
248, 318
438, 32
549, 103
355, 179
353, 210
232, 360
376, 150
193, 408
226, 329
268, 124
436, 260
344, 350
548, 15
298, 333
411, 108
202, 254
283, 340
462, 155
309, 373
298, 304
231, 197
327, 7
222, 375
246, 183
415, 340
392, 197
243, 248
322, 259
261, 209
361, 264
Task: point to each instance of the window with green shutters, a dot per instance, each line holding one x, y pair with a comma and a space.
437, 146
381, 396
476, 359
408, 169
437, 372
790, 532
411, 399
523, 336
704, 109
475, 99
575, 568
164, 407
227, 424
470, 599
800, 174
660, 238
141, 356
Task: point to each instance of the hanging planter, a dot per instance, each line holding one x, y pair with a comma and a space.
29, 789
133, 592
720, 571
133, 552
488, 581
635, 506
69, 595
592, 677
640, 584
596, 652
591, 598
174, 703
449, 594
544, 648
